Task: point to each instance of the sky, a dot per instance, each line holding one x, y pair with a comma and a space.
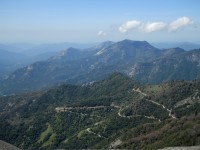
89, 21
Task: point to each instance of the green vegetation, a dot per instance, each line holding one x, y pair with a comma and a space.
183, 132
45, 134
139, 116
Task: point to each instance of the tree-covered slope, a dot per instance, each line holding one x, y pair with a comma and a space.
181, 66
104, 114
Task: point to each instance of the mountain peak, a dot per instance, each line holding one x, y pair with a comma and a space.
135, 43
104, 44
69, 54
70, 50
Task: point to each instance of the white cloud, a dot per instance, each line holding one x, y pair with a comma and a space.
129, 25
154, 26
101, 33
180, 22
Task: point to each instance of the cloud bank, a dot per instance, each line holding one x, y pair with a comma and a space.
155, 26
179, 23
129, 25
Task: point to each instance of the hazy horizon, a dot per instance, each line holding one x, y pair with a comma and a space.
88, 21
31, 43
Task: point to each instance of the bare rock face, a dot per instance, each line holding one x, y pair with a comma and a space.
7, 146
182, 148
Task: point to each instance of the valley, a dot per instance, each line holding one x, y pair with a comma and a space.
114, 95
99, 74
79, 100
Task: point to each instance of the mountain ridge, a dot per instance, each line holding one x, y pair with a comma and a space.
183, 66
138, 59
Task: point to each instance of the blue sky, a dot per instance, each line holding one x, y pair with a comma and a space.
87, 21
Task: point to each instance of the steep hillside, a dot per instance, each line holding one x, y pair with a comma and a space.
176, 133
137, 59
113, 113
75, 66
181, 66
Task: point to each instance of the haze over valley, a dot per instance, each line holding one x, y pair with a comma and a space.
99, 74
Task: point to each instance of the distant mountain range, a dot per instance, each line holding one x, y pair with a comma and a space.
115, 95
138, 59
15, 56
38, 49
184, 45
116, 113
10, 61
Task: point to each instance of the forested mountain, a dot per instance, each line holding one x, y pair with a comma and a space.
181, 66
97, 74
138, 59
76, 66
115, 112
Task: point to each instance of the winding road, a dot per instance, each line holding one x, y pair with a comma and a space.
120, 115
89, 131
138, 90
144, 94
67, 109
